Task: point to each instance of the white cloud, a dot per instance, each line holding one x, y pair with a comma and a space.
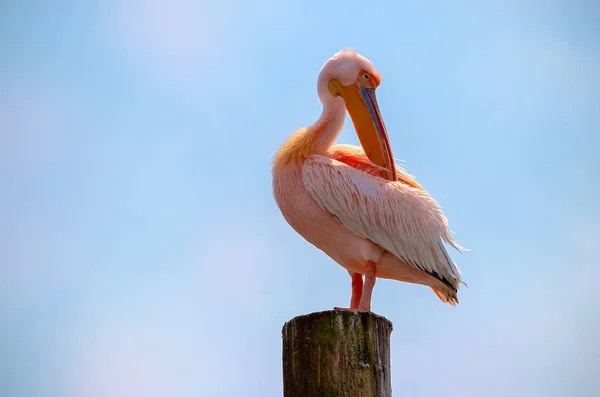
149, 344
35, 254
234, 267
179, 39
125, 365
516, 334
184, 333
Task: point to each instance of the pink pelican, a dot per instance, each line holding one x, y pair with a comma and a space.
355, 203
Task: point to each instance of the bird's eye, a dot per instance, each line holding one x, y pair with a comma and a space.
366, 76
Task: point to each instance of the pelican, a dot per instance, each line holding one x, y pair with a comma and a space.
355, 203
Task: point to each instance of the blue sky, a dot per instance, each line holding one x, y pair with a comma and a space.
141, 252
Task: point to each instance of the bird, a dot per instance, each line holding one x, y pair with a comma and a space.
356, 203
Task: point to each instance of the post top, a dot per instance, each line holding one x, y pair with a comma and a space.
343, 315
337, 353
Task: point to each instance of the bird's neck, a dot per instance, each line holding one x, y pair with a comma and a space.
325, 131
316, 139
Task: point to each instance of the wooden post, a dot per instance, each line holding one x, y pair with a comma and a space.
337, 353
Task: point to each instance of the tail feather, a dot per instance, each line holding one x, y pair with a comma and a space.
391, 267
446, 295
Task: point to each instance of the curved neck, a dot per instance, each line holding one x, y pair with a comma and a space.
326, 130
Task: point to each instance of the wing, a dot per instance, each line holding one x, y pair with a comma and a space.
400, 218
356, 157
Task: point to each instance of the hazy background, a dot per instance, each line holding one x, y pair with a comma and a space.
142, 254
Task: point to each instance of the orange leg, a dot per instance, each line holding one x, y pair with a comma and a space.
365, 300
357, 288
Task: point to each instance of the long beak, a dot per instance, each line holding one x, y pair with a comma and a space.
362, 106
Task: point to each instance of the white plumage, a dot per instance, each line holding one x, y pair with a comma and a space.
401, 219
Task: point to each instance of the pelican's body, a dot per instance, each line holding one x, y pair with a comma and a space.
357, 205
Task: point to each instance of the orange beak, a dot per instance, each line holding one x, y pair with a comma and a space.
361, 104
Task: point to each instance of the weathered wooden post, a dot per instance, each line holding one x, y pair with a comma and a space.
337, 353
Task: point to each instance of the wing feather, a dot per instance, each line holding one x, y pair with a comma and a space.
402, 219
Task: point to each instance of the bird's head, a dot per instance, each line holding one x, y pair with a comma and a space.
353, 78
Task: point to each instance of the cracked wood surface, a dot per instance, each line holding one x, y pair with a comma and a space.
337, 353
